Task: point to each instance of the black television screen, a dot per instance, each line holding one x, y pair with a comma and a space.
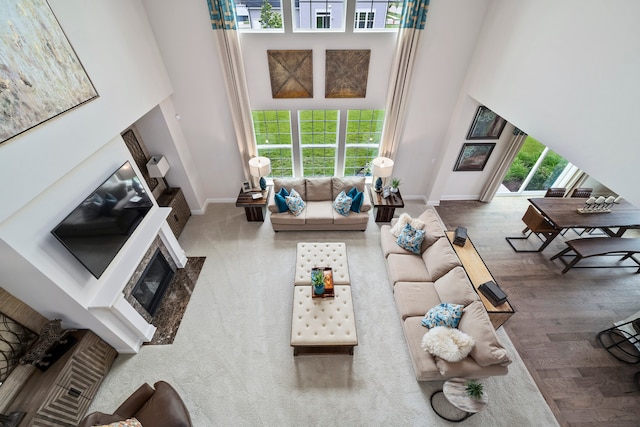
97, 229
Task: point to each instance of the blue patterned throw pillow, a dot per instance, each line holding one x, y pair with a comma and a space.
444, 314
410, 239
295, 203
342, 204
281, 201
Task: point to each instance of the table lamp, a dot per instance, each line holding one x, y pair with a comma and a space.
259, 167
158, 166
382, 167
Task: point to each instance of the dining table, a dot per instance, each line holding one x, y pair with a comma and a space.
563, 214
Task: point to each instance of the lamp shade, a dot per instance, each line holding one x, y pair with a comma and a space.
382, 167
259, 166
158, 166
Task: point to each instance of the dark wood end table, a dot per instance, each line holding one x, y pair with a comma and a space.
254, 209
385, 207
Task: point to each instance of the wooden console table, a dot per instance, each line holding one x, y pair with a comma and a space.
478, 274
61, 395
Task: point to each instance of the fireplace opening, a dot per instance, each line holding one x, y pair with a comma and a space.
153, 283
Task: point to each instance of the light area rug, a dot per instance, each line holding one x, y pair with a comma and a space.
232, 363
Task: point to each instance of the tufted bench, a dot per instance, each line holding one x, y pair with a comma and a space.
310, 255
322, 325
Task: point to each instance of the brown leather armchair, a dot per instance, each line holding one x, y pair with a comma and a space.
161, 407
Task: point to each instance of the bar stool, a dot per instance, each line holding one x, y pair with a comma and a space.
622, 341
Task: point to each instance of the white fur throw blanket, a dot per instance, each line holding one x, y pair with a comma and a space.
449, 344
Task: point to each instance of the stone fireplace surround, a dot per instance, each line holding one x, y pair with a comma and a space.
128, 289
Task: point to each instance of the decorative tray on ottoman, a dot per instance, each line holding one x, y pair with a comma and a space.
328, 282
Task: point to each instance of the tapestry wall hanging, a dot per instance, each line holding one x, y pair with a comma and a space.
40, 74
346, 73
291, 73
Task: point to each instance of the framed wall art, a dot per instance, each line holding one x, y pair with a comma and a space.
346, 73
41, 73
473, 156
486, 125
291, 73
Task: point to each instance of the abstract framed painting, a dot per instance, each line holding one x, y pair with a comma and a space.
486, 125
473, 156
346, 73
41, 76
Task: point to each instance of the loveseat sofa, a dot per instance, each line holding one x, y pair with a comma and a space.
423, 281
319, 213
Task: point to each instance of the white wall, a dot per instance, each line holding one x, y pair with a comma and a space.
48, 170
567, 74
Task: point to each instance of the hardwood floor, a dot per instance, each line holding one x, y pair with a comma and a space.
558, 315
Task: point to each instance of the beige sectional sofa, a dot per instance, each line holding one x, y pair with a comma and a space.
436, 276
319, 194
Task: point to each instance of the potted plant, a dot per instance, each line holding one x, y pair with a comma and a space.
395, 183
474, 389
317, 279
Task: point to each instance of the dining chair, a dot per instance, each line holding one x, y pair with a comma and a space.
538, 225
583, 192
555, 192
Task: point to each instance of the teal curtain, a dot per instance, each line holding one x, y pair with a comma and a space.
222, 14
414, 14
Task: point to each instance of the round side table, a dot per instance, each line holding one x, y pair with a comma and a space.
455, 393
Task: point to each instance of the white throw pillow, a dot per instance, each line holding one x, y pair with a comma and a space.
403, 220
449, 344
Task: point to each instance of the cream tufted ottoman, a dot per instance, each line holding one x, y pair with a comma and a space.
322, 325
310, 255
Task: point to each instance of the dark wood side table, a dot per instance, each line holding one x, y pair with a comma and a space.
180, 212
385, 207
254, 209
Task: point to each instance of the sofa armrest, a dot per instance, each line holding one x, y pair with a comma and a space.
366, 202
132, 405
271, 204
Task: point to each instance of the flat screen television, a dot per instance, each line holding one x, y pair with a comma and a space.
97, 229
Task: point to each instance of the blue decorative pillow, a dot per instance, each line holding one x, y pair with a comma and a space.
357, 200
295, 203
410, 239
352, 193
280, 199
444, 314
342, 204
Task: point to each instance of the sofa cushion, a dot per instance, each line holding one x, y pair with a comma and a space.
433, 228
298, 184
353, 218
410, 239
424, 364
407, 268
414, 298
403, 220
488, 350
443, 314
286, 218
342, 204
388, 243
439, 259
295, 203
345, 184
447, 343
318, 189
455, 287
319, 212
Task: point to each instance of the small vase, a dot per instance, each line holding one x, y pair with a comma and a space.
318, 289
378, 185
263, 183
